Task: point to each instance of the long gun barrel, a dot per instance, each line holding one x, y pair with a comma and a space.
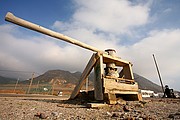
13, 19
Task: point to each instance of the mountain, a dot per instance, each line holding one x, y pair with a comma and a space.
66, 77
58, 75
146, 84
4, 80
77, 74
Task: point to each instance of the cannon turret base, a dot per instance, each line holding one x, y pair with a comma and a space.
114, 88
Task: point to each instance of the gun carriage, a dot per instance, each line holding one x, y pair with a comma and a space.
108, 83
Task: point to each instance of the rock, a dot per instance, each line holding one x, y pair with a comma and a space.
32, 109
143, 102
121, 102
171, 116
108, 113
115, 115
138, 111
178, 113
43, 116
55, 114
126, 108
139, 105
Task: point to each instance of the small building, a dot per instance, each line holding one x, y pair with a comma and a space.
148, 93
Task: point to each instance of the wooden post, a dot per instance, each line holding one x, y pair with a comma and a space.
16, 85
84, 75
30, 83
98, 72
87, 84
53, 86
158, 73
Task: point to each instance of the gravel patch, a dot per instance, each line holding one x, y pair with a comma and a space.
28, 108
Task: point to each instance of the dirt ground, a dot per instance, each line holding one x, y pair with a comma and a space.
33, 107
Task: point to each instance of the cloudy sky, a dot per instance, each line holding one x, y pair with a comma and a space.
136, 29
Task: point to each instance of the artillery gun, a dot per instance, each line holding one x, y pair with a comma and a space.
108, 83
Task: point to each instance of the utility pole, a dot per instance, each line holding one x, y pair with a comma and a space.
158, 73
16, 84
53, 86
30, 83
87, 84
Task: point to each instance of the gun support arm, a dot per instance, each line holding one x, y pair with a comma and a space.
13, 19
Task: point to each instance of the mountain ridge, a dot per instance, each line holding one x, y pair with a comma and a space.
66, 77
6, 80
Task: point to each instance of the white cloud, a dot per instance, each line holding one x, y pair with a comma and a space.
165, 45
167, 10
37, 54
115, 16
100, 23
